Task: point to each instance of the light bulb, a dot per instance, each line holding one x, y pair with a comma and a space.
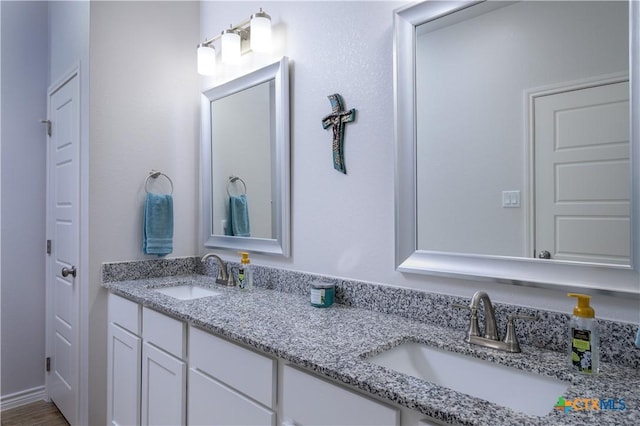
230, 45
260, 32
206, 59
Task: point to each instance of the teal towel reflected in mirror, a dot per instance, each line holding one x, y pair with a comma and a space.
157, 224
239, 216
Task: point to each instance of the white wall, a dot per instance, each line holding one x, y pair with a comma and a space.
343, 225
24, 86
144, 114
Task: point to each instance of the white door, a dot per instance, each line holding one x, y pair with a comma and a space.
582, 175
63, 186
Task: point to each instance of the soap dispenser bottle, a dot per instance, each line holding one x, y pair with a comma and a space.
245, 275
584, 341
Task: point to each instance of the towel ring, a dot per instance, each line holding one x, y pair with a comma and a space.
234, 179
155, 174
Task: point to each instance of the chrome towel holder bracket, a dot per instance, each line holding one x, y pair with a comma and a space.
154, 174
234, 179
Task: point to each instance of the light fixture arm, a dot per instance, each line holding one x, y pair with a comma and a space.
243, 28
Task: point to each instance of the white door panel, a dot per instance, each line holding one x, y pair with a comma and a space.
611, 119
576, 233
582, 174
593, 188
63, 184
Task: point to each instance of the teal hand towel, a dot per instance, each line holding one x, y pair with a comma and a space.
239, 216
638, 338
157, 224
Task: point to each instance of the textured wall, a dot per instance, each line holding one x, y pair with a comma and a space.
144, 114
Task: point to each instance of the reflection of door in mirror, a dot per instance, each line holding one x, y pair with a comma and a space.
582, 176
473, 72
242, 139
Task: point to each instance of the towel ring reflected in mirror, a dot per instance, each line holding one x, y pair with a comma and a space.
153, 174
235, 179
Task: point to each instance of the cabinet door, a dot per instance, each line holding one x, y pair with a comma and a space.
309, 400
123, 383
212, 403
163, 387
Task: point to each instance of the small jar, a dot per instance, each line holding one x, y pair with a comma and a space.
322, 294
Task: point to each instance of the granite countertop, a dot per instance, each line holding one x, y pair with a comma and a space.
334, 342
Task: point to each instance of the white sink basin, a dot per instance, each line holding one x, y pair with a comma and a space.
187, 292
522, 391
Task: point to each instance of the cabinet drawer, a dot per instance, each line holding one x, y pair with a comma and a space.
125, 313
242, 369
212, 403
310, 400
164, 332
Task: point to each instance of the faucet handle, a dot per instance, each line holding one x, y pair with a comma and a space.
230, 278
510, 338
459, 306
474, 327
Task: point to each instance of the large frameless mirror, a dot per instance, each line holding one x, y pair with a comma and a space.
517, 142
245, 162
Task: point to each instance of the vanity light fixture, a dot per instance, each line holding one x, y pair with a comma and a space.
206, 59
252, 34
260, 32
230, 46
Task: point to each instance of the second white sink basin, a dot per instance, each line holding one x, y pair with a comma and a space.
187, 292
522, 391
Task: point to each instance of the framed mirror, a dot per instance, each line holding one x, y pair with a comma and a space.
493, 146
245, 162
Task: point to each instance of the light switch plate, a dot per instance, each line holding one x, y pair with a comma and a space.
510, 199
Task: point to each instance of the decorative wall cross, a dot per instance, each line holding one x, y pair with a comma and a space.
338, 119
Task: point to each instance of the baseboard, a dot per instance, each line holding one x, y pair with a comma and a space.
23, 397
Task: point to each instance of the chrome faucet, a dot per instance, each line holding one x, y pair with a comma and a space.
490, 330
223, 277
491, 338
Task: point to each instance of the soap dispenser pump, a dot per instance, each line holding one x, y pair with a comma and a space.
584, 341
245, 275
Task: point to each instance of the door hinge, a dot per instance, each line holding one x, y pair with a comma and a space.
48, 123
48, 246
48, 364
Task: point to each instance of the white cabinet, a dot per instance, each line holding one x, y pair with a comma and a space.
229, 384
311, 400
164, 371
150, 382
123, 365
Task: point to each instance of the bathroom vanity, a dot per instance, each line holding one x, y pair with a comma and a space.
228, 383
269, 357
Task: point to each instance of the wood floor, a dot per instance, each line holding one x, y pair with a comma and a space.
39, 413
